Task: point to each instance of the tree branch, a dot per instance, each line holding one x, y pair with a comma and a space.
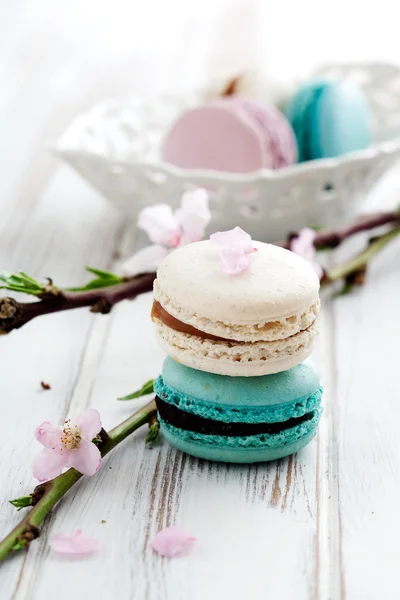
331, 238
14, 315
360, 261
46, 495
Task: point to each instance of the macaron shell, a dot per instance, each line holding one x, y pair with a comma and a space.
290, 394
262, 440
277, 133
277, 284
301, 113
229, 413
240, 454
216, 138
291, 386
344, 120
195, 359
329, 119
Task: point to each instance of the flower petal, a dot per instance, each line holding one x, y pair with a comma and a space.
236, 250
193, 216
144, 261
49, 435
49, 464
78, 543
86, 458
234, 263
303, 245
172, 541
89, 423
235, 239
160, 224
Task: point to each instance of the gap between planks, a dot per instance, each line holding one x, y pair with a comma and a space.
329, 583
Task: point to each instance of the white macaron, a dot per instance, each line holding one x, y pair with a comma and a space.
259, 322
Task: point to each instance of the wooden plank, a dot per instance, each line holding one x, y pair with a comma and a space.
328, 574
316, 526
260, 515
367, 416
60, 239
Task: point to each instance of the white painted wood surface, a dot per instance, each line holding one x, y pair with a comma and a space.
321, 525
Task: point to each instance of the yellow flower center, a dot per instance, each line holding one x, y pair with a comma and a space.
71, 437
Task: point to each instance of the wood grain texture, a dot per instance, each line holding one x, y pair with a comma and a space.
317, 526
367, 431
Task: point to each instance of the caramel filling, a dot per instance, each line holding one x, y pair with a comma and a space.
158, 312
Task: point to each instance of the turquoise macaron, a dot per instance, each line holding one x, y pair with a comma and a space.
238, 419
329, 118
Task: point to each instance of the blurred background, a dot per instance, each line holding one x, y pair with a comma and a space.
127, 43
59, 59
71, 53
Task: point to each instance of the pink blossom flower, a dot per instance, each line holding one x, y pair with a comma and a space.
70, 446
172, 541
160, 224
193, 216
168, 230
303, 245
235, 249
77, 544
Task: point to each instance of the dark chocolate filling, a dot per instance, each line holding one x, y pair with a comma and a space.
173, 415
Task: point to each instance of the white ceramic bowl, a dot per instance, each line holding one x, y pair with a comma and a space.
115, 147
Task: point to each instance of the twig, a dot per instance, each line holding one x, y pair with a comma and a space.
14, 315
362, 259
46, 495
331, 238
231, 87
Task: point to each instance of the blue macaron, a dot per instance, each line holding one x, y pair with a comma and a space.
329, 118
238, 419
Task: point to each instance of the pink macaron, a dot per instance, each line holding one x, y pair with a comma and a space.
231, 134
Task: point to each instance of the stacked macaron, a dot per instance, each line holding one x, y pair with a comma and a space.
235, 387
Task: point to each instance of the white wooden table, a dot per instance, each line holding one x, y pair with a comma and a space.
320, 525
